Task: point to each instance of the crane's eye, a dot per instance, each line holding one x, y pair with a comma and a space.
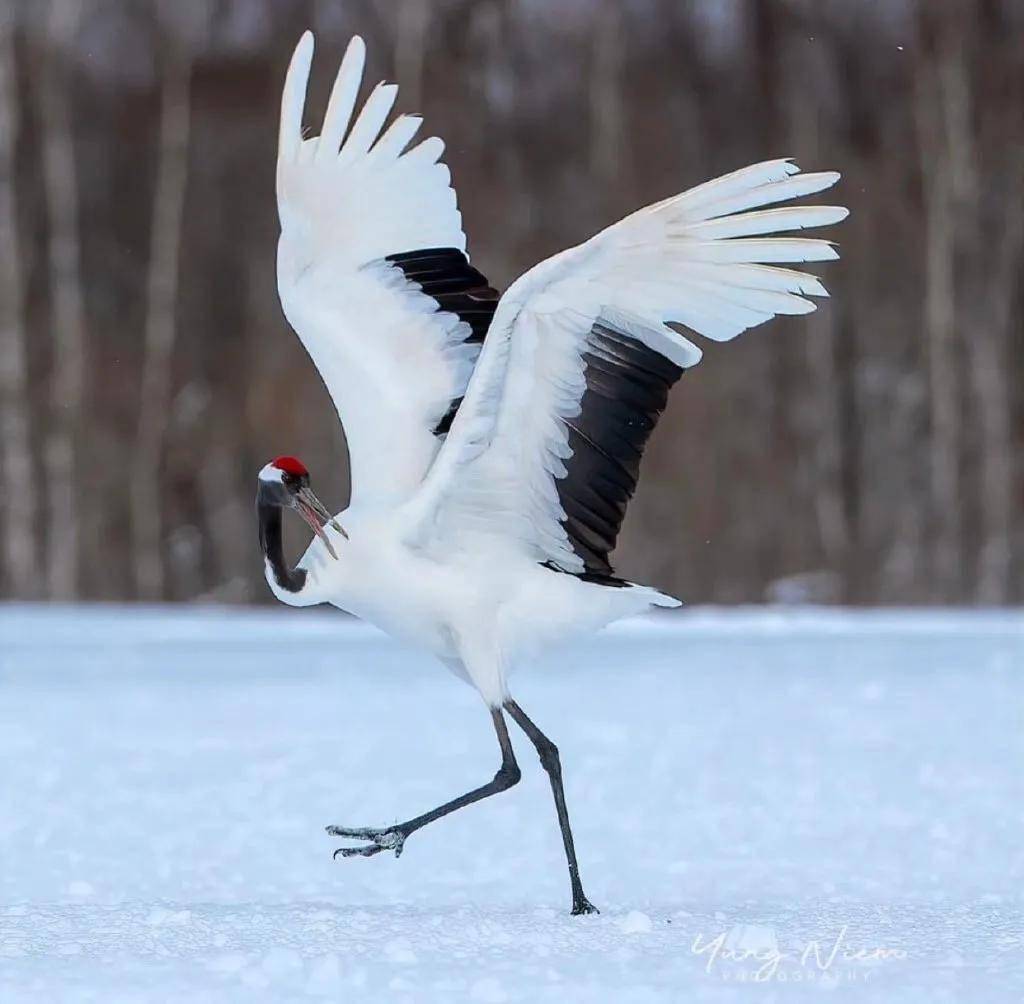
289, 479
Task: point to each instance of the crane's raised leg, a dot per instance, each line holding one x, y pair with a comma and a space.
548, 752
392, 838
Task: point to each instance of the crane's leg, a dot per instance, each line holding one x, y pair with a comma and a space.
392, 838
549, 760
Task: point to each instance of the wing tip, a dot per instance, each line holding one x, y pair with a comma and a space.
293, 97
353, 61
829, 250
827, 216
825, 179
304, 48
789, 164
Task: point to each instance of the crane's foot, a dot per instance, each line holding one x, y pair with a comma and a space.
581, 905
391, 838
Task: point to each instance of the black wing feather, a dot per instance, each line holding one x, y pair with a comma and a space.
446, 275
627, 386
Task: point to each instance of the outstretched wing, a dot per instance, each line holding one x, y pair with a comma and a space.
545, 451
373, 275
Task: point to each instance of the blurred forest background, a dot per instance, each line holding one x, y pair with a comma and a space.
867, 454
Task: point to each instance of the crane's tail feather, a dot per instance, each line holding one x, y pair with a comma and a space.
655, 598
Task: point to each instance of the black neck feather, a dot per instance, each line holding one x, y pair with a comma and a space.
292, 579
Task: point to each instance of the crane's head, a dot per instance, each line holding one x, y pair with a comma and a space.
284, 483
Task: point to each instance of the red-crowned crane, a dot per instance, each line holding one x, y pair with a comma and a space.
494, 440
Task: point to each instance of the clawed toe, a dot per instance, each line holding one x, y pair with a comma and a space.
353, 832
366, 851
391, 839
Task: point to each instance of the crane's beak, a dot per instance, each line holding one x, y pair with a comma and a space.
313, 511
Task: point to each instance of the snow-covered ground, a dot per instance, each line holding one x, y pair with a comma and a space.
749, 790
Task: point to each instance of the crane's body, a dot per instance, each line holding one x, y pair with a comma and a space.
481, 612
495, 439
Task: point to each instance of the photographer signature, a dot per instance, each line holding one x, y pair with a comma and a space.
757, 946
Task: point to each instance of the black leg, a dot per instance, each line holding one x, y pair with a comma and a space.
549, 759
393, 837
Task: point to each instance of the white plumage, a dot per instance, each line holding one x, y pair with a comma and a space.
482, 503
390, 361
480, 531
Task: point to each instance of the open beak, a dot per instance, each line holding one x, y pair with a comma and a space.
313, 511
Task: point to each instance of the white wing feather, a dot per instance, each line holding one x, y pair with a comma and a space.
690, 260
391, 361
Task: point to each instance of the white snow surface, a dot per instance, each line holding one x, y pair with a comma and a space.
749, 790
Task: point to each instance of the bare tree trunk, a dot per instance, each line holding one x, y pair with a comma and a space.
67, 314
161, 320
932, 107
18, 543
410, 47
992, 270
990, 371
943, 379
806, 112
607, 116
496, 40
224, 513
